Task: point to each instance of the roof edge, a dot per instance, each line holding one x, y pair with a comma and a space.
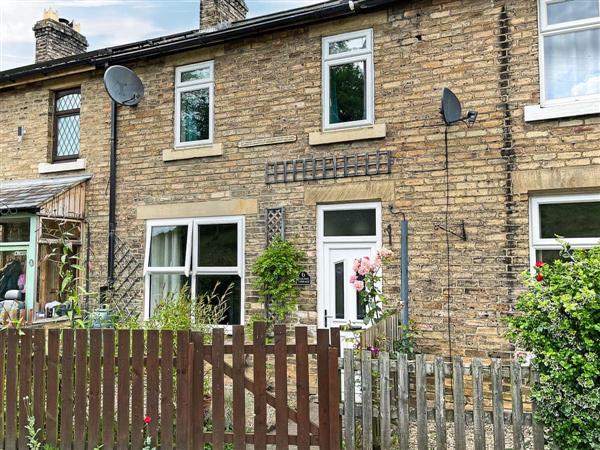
188, 40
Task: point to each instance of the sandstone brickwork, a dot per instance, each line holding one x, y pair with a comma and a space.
270, 85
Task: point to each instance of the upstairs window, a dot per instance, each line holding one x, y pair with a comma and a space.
574, 218
569, 51
347, 70
194, 92
66, 124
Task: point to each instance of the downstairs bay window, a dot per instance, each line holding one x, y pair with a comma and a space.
203, 255
572, 218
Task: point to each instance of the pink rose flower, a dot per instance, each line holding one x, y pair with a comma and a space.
384, 252
355, 265
359, 285
362, 270
352, 279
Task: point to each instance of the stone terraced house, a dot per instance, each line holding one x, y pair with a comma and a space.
321, 124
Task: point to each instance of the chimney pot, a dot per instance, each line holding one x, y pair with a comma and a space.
57, 37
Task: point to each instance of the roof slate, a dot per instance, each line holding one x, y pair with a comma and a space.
23, 195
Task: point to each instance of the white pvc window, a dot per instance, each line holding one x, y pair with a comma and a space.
203, 254
347, 80
194, 104
569, 51
573, 218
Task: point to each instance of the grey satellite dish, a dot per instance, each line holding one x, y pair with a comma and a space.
451, 109
123, 85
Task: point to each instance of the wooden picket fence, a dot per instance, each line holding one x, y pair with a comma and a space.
383, 334
90, 388
385, 398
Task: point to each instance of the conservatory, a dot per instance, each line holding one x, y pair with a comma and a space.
41, 223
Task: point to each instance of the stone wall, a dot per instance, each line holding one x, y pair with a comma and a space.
56, 39
271, 86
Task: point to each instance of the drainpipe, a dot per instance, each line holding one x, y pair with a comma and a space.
112, 195
404, 269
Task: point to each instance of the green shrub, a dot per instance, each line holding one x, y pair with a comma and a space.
558, 320
177, 311
276, 272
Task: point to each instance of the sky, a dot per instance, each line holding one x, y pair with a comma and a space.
107, 22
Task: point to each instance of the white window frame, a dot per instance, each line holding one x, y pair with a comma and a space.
322, 239
186, 86
328, 60
192, 269
546, 30
539, 243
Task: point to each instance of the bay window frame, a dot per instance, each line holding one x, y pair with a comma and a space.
545, 30
539, 243
182, 87
191, 270
355, 56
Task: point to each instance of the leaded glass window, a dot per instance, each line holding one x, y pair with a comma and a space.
66, 124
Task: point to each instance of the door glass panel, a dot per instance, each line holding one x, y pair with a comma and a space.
14, 230
570, 220
218, 245
162, 285
340, 284
13, 267
350, 222
218, 284
569, 10
168, 246
347, 87
360, 308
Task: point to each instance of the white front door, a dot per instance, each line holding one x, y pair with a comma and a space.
345, 232
341, 305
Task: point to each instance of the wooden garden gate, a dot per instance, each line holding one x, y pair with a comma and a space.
84, 389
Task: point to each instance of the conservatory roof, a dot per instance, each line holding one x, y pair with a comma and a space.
58, 195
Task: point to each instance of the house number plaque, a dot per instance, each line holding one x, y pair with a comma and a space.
303, 279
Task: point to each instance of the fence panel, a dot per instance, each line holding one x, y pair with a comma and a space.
90, 388
465, 394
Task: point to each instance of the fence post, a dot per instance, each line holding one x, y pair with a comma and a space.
497, 404
458, 392
349, 397
478, 411
367, 400
421, 387
517, 405
403, 396
334, 400
440, 406
384, 402
323, 386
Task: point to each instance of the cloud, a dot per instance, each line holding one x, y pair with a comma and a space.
590, 86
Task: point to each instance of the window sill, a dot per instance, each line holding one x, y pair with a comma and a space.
537, 112
376, 131
194, 152
67, 166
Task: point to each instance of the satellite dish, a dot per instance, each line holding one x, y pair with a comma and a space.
123, 85
451, 109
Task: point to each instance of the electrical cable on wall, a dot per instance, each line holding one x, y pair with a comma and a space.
452, 114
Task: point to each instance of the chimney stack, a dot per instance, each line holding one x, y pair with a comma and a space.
57, 37
217, 14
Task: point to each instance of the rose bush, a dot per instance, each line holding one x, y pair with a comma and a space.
558, 320
366, 279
